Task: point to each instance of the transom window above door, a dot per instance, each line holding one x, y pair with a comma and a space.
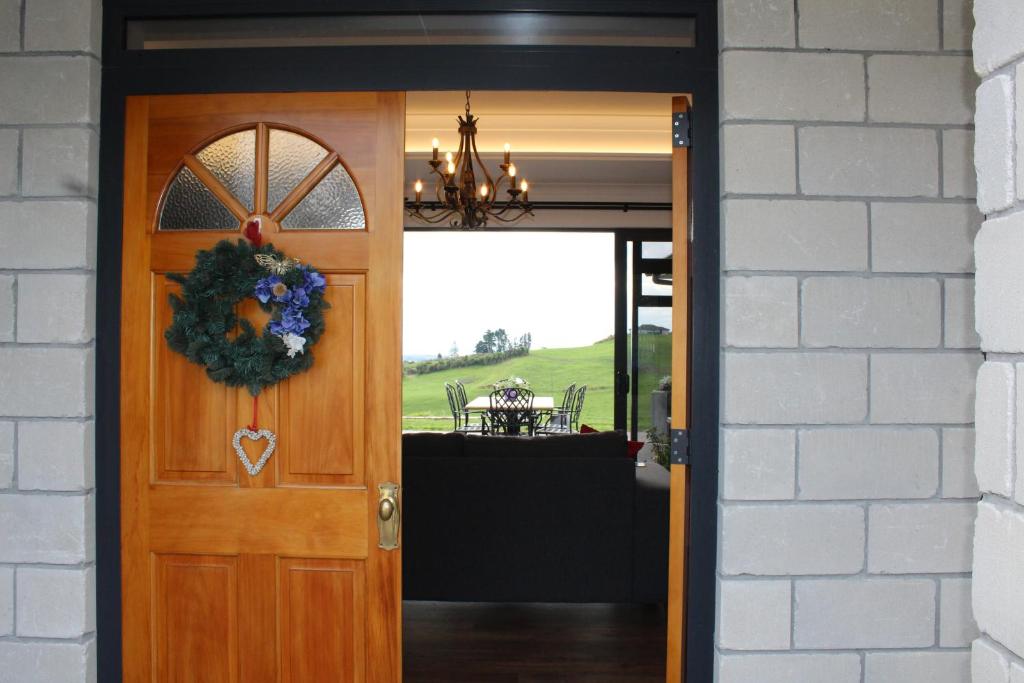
268, 172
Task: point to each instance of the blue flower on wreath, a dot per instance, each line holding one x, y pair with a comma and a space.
292, 322
273, 288
264, 290
297, 296
312, 281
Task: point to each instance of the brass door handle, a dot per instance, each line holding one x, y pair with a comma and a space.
389, 516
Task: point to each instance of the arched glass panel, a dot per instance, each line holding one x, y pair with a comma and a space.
333, 204
189, 205
291, 159
192, 203
232, 160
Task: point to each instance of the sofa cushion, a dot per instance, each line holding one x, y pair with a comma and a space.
596, 445
433, 444
518, 529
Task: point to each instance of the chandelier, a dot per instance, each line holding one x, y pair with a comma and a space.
461, 198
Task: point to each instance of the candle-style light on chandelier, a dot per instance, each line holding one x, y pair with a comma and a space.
461, 198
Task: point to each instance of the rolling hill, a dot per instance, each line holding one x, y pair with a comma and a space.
549, 371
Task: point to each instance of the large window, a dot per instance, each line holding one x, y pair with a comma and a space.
558, 288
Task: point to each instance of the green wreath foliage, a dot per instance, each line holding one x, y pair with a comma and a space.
207, 329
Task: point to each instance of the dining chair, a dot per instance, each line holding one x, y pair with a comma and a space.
467, 416
460, 416
510, 410
558, 420
577, 408
462, 400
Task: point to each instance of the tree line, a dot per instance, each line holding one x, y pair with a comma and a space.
494, 347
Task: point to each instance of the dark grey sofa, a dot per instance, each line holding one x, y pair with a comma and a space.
566, 518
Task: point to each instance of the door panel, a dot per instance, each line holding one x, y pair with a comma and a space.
196, 618
312, 593
273, 577
200, 451
322, 440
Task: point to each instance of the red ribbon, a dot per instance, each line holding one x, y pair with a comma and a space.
252, 232
255, 413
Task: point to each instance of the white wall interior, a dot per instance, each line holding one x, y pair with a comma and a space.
848, 496
49, 115
998, 655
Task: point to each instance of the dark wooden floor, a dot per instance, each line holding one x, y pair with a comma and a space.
533, 643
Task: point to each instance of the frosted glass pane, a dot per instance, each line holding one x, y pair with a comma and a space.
291, 159
232, 159
189, 205
332, 205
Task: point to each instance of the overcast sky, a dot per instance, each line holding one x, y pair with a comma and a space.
559, 287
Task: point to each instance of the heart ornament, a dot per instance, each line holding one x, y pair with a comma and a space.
254, 469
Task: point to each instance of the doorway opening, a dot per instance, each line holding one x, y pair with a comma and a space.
574, 303
131, 69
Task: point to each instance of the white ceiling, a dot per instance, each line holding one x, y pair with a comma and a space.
570, 146
547, 122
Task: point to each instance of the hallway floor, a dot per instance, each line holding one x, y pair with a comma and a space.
533, 643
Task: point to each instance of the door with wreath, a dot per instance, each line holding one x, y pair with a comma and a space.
260, 387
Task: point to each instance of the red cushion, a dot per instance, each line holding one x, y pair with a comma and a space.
633, 447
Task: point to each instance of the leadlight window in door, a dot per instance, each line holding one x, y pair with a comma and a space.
278, 175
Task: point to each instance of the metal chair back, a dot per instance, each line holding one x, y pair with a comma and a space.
577, 408
460, 389
453, 404
510, 410
567, 397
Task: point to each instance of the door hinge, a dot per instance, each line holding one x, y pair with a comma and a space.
681, 132
679, 451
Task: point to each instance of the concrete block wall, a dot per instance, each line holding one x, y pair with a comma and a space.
49, 115
848, 496
998, 593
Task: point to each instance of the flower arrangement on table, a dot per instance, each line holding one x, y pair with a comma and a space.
512, 386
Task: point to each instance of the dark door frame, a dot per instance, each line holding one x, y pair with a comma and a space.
671, 70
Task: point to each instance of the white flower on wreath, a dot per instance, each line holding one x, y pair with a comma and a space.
294, 343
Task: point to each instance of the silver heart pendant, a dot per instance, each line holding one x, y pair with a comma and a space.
271, 438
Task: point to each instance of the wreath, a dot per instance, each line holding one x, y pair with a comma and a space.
207, 329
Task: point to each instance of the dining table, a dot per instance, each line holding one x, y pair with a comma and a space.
540, 404
523, 417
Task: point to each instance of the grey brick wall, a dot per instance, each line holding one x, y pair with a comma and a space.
848, 496
998, 591
848, 489
49, 115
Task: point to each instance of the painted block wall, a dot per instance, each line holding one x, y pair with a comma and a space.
49, 115
848, 490
848, 494
998, 655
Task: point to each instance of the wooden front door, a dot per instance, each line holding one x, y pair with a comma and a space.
277, 576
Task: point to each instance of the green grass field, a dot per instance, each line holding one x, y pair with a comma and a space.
549, 372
